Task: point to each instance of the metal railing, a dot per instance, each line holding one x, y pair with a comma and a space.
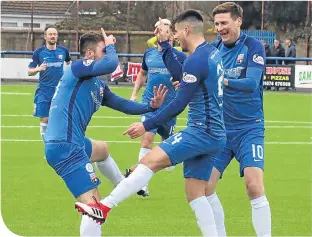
13, 52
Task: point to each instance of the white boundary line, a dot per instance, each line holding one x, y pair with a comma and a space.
113, 126
15, 93
137, 142
136, 117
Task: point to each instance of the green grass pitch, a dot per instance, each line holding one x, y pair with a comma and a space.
35, 201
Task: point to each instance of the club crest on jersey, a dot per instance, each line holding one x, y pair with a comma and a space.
189, 78
258, 59
87, 62
240, 58
60, 57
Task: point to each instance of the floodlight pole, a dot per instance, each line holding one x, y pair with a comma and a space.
32, 27
127, 28
262, 14
77, 27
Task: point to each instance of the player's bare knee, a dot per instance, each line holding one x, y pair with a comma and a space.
147, 141
254, 189
44, 120
194, 188
210, 188
212, 183
156, 160
146, 144
99, 151
104, 148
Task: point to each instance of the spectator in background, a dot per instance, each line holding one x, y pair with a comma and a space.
267, 50
290, 50
277, 51
267, 54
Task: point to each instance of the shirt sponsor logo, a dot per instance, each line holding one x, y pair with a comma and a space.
234, 72
189, 78
158, 70
55, 64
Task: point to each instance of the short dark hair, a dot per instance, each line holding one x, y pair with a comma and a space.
229, 7
89, 40
290, 39
48, 27
188, 15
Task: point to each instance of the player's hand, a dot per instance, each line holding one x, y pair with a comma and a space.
109, 40
175, 84
163, 31
225, 82
43, 66
135, 130
159, 96
134, 98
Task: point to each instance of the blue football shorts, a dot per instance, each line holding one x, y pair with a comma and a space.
246, 145
196, 149
72, 163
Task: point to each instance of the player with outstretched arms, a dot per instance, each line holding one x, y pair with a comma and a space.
78, 95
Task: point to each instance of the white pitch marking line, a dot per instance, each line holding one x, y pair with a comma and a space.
15, 93
125, 126
137, 142
135, 117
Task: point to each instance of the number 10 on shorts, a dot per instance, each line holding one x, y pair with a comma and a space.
257, 152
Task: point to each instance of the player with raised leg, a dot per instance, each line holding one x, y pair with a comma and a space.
79, 94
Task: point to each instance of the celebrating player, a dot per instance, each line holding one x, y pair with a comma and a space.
196, 145
155, 73
78, 95
244, 63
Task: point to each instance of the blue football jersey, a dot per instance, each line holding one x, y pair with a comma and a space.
157, 74
206, 104
55, 62
243, 109
79, 94
201, 89
72, 106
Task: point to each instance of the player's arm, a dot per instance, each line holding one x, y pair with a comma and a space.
189, 83
173, 61
139, 83
33, 67
67, 57
88, 68
141, 79
152, 42
254, 73
116, 102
